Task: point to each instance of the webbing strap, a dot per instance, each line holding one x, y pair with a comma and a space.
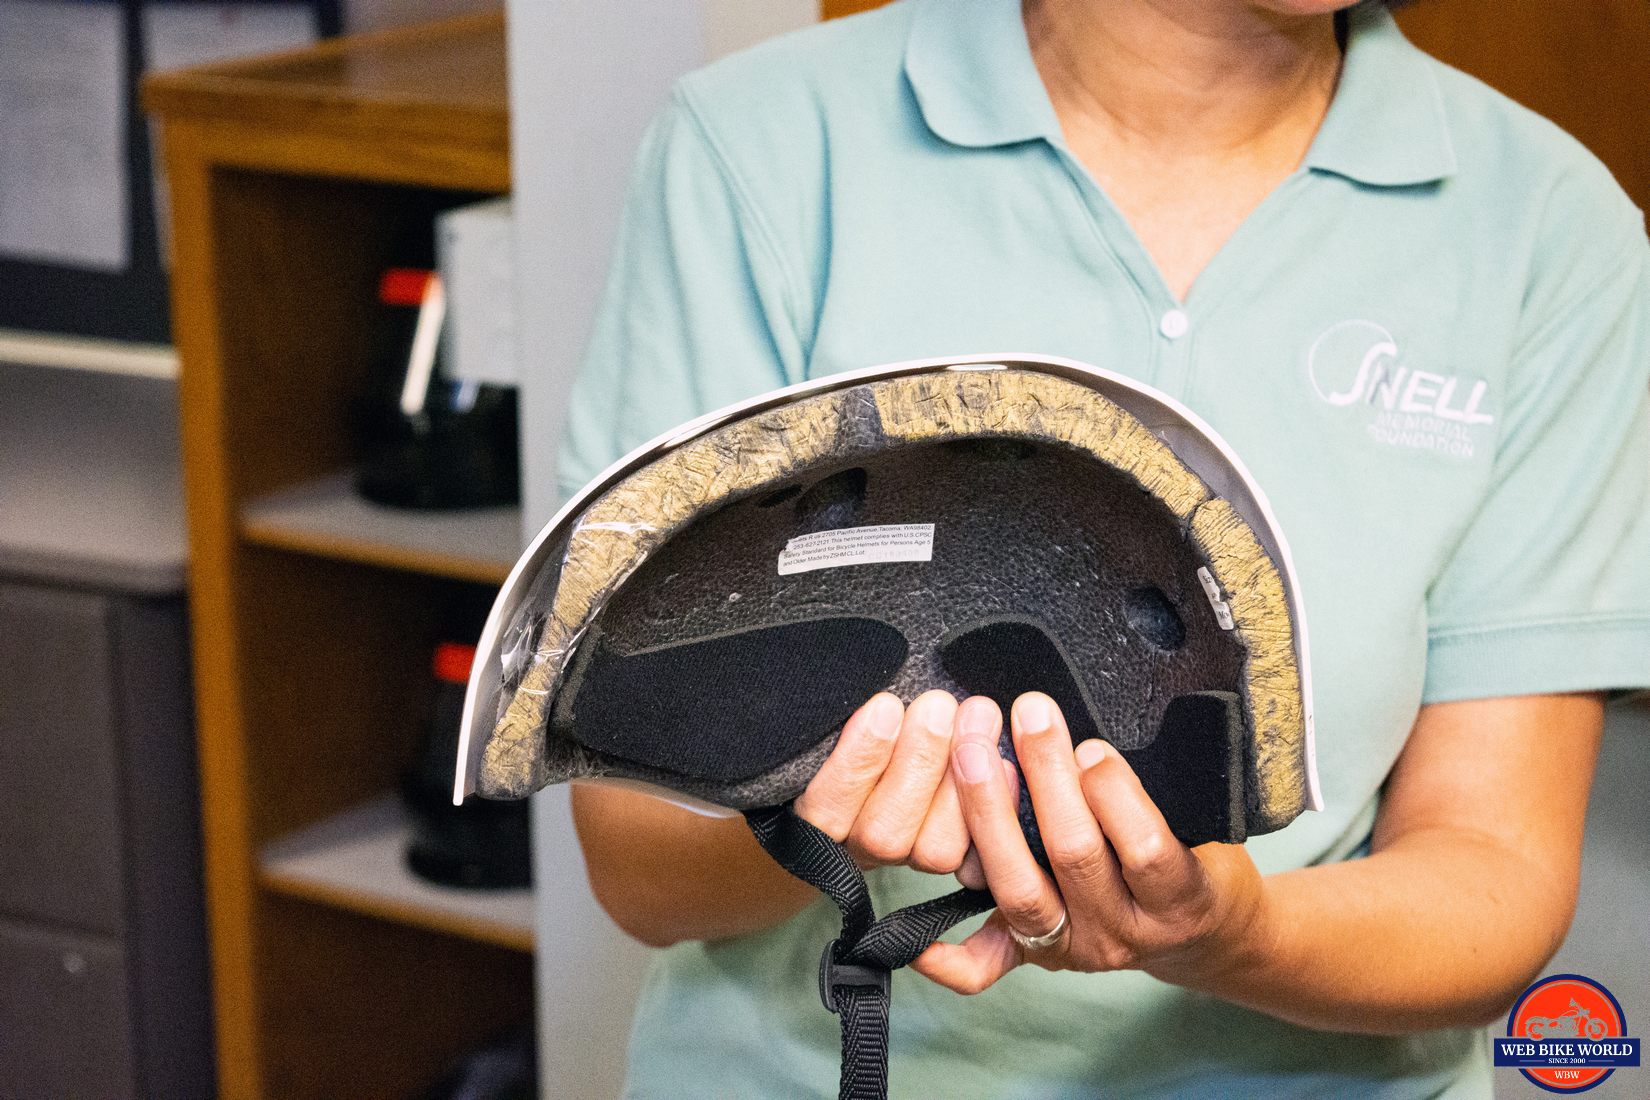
855, 968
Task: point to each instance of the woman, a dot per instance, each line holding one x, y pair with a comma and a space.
1419, 314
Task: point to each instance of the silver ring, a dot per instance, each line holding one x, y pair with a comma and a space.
1037, 943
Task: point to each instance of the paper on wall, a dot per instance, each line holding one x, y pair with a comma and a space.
180, 34
63, 194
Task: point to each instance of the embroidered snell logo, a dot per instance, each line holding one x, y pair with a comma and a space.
1356, 365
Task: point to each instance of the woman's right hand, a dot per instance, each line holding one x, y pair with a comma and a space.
886, 791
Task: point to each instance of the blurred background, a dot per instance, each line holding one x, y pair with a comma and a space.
290, 296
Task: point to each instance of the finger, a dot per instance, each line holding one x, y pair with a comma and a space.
976, 963
1077, 851
834, 796
942, 842
1025, 896
971, 874
892, 815
1160, 872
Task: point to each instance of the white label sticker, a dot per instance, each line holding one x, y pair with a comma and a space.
1222, 609
857, 546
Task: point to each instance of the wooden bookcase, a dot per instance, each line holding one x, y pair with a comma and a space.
337, 974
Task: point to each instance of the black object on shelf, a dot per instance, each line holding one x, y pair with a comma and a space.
481, 844
428, 440
505, 1069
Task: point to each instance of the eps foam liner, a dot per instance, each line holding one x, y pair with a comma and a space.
655, 634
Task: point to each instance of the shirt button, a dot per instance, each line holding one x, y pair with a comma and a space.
1174, 324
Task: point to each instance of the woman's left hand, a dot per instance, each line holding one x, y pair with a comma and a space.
1126, 895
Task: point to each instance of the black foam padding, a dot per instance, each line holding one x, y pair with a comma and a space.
1195, 768
730, 706
1003, 659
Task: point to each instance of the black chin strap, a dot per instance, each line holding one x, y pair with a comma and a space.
855, 969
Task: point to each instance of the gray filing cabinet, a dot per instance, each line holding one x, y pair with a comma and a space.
103, 969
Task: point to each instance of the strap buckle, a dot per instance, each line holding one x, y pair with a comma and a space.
834, 975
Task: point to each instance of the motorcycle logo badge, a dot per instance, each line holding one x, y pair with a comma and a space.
1566, 1034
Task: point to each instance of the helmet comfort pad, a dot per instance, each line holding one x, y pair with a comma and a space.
1066, 554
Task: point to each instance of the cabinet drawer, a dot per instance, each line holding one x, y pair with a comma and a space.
60, 847
63, 1022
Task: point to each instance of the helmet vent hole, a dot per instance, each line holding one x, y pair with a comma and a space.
1154, 617
779, 496
833, 502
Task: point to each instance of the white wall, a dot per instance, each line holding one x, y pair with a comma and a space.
585, 81
585, 78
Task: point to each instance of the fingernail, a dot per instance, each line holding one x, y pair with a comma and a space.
1033, 714
882, 715
936, 710
1090, 753
978, 718
973, 761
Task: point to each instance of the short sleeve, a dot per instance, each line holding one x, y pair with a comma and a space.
697, 311
1547, 592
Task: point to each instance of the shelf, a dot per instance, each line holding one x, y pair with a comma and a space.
328, 519
41, 349
423, 104
445, 80
356, 861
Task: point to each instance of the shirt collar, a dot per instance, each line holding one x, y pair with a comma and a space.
970, 68
1386, 126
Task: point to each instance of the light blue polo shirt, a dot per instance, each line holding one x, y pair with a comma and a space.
1430, 345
